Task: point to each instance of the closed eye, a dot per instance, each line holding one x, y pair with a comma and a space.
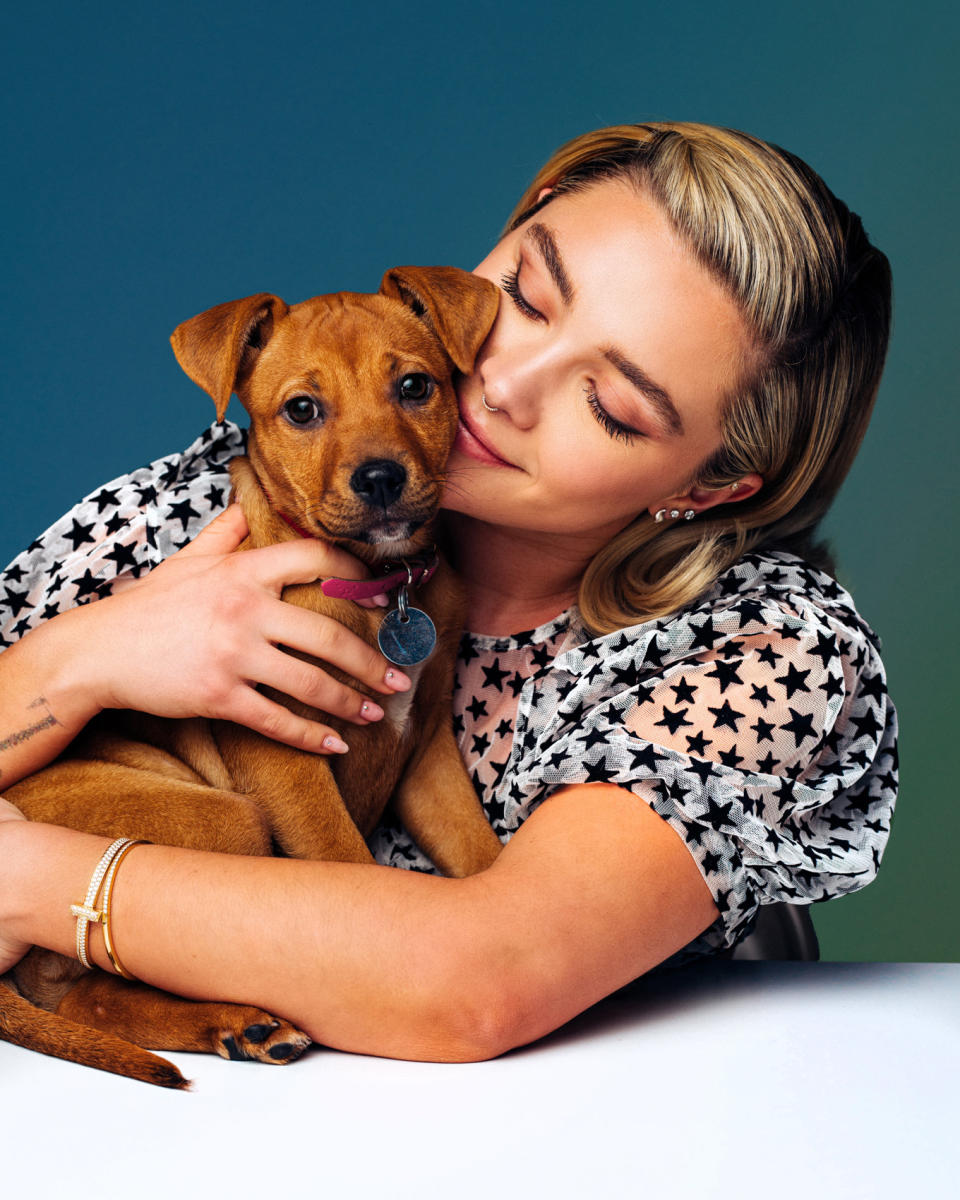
511, 285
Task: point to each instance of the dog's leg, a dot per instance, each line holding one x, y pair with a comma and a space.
121, 801
298, 793
436, 802
157, 1020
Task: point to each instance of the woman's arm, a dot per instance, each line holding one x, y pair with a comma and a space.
192, 638
592, 891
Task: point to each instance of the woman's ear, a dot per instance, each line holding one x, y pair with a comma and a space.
698, 500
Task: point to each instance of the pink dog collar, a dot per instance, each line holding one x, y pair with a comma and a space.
365, 589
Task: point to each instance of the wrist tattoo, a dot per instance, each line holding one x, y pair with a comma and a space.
23, 735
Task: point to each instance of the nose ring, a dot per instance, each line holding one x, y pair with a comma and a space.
483, 401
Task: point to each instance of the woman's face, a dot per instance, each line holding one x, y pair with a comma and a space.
607, 363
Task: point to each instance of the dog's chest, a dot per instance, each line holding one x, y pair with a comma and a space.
399, 707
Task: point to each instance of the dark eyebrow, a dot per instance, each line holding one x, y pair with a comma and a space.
547, 245
659, 397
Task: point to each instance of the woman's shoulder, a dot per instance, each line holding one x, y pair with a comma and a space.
122, 528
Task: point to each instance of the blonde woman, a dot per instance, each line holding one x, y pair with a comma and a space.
673, 713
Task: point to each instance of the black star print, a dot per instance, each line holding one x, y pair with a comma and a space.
105, 498
825, 649
697, 743
684, 693
541, 656
760, 694
731, 649
725, 672
87, 585
170, 474
872, 687
468, 649
13, 573
477, 708
516, 684
493, 676
626, 676
833, 686
867, 725
647, 758
673, 720
182, 511
114, 524
597, 772
726, 716
767, 765
504, 729
704, 635
711, 862
123, 556
769, 656
78, 534
800, 725
730, 758
703, 770
214, 497
481, 744
49, 611
15, 601
763, 730
596, 736
794, 680
147, 495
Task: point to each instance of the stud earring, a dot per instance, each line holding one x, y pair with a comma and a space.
674, 513
734, 487
659, 515
689, 514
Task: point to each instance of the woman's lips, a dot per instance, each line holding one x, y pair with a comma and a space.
470, 442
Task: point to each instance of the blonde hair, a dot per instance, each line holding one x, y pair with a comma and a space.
816, 296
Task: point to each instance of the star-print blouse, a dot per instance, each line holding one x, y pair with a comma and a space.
756, 722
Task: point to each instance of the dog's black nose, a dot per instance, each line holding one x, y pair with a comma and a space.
379, 481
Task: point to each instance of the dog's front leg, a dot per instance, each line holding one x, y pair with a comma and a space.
436, 802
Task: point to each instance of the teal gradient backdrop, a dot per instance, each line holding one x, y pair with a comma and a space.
163, 157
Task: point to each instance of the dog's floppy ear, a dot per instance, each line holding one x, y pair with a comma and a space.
218, 348
459, 307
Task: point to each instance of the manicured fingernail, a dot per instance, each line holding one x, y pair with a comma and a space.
397, 680
332, 742
373, 712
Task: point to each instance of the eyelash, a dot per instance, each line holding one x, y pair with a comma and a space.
510, 282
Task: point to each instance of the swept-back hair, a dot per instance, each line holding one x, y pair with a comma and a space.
816, 297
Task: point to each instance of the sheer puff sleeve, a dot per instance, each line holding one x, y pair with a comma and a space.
118, 532
757, 724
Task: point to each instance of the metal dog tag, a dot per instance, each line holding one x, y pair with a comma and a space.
406, 636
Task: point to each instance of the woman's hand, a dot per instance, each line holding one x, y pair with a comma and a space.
198, 634
11, 948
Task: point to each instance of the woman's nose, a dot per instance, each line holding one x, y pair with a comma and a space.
516, 375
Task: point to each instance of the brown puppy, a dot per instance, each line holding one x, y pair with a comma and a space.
353, 414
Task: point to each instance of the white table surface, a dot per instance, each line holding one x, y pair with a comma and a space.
744, 1079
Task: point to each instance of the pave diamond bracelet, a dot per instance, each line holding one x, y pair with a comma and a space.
87, 911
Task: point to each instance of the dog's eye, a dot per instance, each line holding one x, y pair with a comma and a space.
301, 410
415, 386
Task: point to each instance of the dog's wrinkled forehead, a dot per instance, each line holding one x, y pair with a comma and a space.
358, 331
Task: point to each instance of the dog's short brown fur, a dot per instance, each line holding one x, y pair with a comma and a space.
217, 786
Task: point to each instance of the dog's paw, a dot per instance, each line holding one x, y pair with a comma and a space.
252, 1035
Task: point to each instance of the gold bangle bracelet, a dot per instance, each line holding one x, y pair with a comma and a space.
87, 911
107, 897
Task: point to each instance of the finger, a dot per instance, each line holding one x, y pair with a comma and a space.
302, 561
265, 716
313, 685
222, 536
326, 639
